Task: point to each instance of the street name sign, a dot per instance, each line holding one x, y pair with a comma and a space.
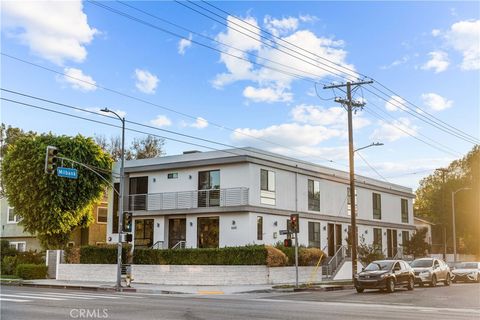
69, 173
282, 232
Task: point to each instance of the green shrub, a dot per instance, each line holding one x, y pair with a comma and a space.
8, 265
31, 271
105, 254
30, 257
249, 255
72, 255
6, 250
288, 251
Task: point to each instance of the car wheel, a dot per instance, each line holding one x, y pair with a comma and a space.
447, 280
411, 283
433, 283
454, 281
390, 285
359, 290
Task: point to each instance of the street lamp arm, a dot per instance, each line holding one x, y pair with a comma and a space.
373, 144
111, 111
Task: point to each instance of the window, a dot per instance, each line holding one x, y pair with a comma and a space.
377, 239
116, 186
209, 188
314, 234
173, 175
208, 232
405, 237
349, 202
259, 228
138, 190
18, 245
102, 215
377, 205
404, 210
12, 217
267, 187
313, 195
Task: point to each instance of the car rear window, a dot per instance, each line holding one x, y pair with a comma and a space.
422, 263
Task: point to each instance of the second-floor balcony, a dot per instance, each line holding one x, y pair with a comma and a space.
188, 199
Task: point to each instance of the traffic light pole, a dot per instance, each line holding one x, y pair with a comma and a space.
296, 259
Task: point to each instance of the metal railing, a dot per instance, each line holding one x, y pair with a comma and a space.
335, 261
189, 199
158, 245
180, 245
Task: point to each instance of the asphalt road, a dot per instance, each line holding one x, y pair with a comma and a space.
460, 301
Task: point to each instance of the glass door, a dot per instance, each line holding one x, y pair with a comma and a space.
177, 231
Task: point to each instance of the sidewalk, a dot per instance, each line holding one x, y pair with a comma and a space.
141, 287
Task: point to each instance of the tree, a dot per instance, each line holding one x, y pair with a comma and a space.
141, 148
416, 245
433, 201
50, 206
368, 253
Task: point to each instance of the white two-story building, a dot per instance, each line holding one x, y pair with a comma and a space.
245, 196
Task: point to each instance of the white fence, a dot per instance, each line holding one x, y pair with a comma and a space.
189, 274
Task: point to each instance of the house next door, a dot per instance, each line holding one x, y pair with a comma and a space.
177, 231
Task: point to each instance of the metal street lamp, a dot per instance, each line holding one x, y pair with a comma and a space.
373, 144
120, 205
453, 224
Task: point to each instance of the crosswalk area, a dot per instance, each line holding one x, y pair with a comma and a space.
29, 296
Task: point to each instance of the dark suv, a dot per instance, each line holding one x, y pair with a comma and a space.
385, 274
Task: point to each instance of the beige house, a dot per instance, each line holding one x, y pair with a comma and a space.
23, 241
420, 224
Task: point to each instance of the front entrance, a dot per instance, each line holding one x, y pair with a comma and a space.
391, 243
143, 233
334, 238
208, 230
177, 231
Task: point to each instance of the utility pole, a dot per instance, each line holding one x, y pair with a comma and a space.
350, 106
444, 213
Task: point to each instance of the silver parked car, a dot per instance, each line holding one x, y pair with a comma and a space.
431, 271
466, 271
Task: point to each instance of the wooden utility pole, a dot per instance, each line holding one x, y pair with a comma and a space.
350, 106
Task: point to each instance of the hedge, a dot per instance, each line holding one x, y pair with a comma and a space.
106, 254
10, 262
249, 255
31, 271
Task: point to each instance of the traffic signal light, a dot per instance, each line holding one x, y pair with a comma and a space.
51, 160
287, 242
294, 223
128, 237
127, 222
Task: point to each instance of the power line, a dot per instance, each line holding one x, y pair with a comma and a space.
411, 173
439, 124
170, 109
371, 167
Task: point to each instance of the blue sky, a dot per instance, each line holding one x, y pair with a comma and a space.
427, 52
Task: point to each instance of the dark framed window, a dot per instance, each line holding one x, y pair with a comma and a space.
314, 234
405, 237
259, 228
377, 239
208, 232
404, 210
173, 175
143, 233
209, 188
138, 190
267, 187
102, 215
116, 186
313, 195
349, 202
377, 205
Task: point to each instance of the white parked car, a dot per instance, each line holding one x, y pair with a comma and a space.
466, 271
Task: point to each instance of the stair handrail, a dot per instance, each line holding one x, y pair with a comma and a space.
179, 245
158, 245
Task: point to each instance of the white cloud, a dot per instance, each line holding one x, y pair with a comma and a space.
395, 103
161, 121
436, 32
78, 80
436, 102
464, 37
276, 81
280, 26
200, 123
267, 94
145, 81
54, 30
397, 62
308, 18
335, 117
183, 44
392, 131
287, 134
438, 61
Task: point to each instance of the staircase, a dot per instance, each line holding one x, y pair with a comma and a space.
330, 268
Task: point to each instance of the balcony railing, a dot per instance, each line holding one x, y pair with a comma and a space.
189, 199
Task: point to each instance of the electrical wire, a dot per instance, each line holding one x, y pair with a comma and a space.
371, 167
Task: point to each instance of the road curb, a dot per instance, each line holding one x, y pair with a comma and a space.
326, 288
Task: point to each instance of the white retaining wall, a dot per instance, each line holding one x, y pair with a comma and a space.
190, 274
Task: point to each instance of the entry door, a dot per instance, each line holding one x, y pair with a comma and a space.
338, 236
331, 239
389, 243
208, 230
394, 242
143, 233
177, 231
